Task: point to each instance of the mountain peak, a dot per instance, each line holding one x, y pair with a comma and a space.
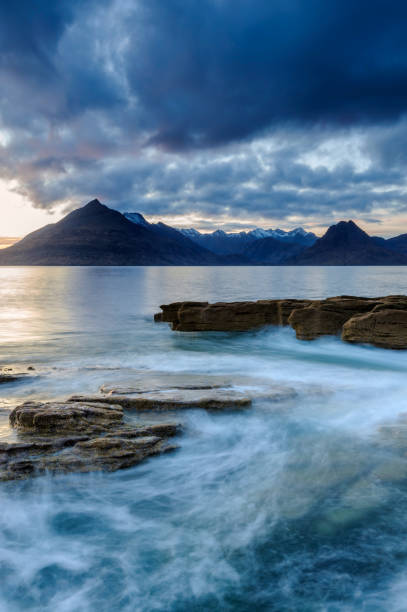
94, 204
345, 232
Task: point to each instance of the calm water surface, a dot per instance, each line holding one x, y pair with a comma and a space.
296, 505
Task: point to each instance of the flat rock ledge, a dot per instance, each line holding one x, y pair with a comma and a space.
64, 437
380, 321
207, 399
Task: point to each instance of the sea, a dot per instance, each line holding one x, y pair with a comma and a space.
291, 505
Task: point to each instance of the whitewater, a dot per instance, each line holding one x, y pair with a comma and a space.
297, 504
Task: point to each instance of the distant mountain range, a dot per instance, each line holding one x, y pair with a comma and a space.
224, 243
98, 235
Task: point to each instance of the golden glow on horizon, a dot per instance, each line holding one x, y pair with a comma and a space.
6, 241
18, 217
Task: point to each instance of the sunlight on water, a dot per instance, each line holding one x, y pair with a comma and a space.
291, 505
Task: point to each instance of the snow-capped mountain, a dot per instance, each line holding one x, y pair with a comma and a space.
136, 218
279, 234
190, 233
224, 243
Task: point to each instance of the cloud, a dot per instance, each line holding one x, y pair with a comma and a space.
213, 71
224, 108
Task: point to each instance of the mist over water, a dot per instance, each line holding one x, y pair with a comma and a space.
293, 505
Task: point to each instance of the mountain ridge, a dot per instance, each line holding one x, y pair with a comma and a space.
98, 235
230, 243
95, 234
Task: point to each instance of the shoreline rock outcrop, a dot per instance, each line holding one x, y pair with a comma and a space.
98, 432
64, 437
380, 321
227, 316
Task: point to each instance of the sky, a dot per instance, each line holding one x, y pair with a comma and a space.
224, 114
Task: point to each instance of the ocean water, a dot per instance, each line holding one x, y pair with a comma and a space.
292, 505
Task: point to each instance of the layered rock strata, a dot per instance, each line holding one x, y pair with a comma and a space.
227, 316
89, 433
380, 321
63, 437
213, 399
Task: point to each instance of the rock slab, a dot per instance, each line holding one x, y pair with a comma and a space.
63, 437
380, 321
212, 399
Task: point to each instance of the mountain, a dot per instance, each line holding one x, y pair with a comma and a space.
137, 218
270, 251
398, 243
169, 232
297, 235
224, 243
219, 242
346, 244
98, 235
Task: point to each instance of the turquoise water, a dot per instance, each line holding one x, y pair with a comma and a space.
294, 505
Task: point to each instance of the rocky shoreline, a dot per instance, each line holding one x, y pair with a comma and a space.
380, 321
97, 432
115, 428
63, 437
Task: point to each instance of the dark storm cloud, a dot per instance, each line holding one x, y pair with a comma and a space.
174, 106
213, 71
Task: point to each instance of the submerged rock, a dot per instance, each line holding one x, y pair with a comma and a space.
10, 376
173, 391
49, 440
380, 321
7, 378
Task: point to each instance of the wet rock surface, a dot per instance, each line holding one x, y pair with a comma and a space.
12, 375
212, 399
7, 378
188, 392
59, 416
326, 317
103, 431
63, 437
227, 316
386, 328
380, 321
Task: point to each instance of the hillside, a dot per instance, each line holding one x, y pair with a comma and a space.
345, 244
